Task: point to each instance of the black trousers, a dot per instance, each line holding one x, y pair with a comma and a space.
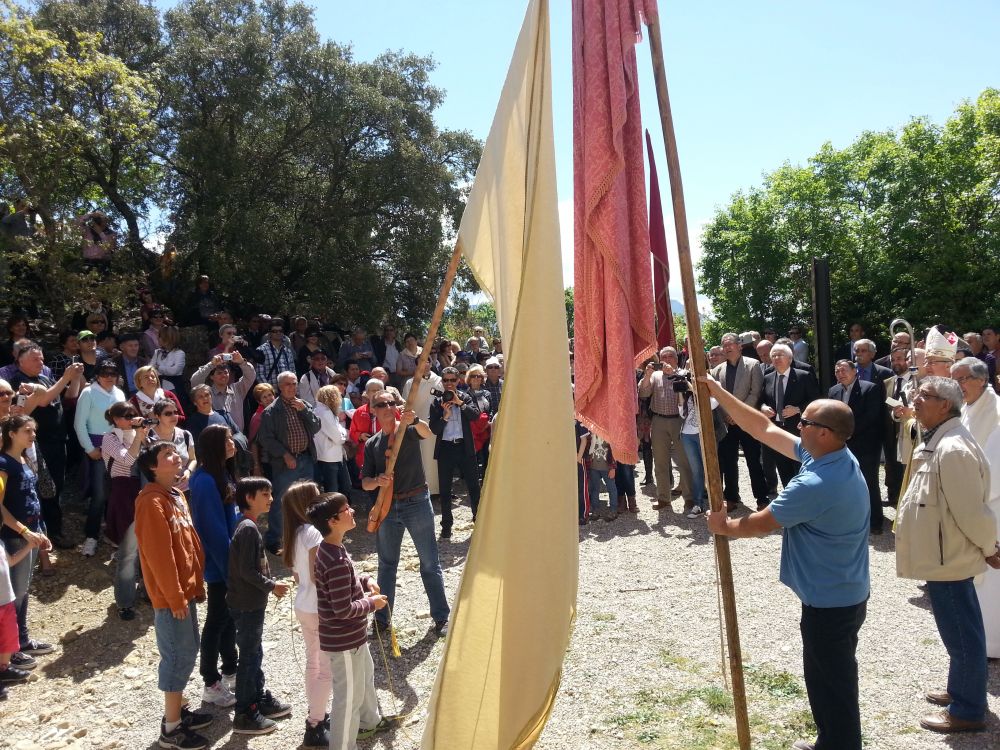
787, 467
894, 469
218, 636
829, 647
54, 453
869, 461
729, 458
452, 457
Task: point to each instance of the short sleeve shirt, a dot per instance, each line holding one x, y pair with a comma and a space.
306, 538
825, 517
409, 471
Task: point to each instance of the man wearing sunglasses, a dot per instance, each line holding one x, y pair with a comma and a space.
823, 513
452, 415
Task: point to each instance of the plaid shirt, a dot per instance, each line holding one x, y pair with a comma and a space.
267, 370
298, 438
495, 390
662, 399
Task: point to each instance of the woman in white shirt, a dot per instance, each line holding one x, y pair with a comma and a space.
330, 465
691, 440
169, 359
300, 542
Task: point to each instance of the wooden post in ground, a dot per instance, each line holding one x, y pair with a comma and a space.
381, 508
709, 447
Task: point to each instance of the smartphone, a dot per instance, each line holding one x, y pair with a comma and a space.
21, 400
76, 359
226, 357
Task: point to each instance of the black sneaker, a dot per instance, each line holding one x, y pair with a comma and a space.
23, 661
446, 533
384, 725
271, 708
195, 719
381, 629
274, 548
12, 674
316, 736
182, 738
37, 648
126, 613
3, 693
252, 722
441, 628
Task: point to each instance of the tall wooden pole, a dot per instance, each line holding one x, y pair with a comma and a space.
696, 345
384, 501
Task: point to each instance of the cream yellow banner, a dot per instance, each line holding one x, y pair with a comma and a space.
512, 620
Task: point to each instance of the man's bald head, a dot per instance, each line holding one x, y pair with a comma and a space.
836, 415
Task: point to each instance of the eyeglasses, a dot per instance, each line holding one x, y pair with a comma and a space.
6, 394
169, 414
382, 405
803, 422
449, 380
492, 367
964, 378
474, 376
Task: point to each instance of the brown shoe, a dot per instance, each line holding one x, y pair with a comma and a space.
938, 697
662, 505
944, 722
676, 492
630, 505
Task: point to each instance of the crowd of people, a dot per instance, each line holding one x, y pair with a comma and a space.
928, 410
197, 475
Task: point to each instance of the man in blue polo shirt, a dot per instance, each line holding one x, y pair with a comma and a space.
824, 517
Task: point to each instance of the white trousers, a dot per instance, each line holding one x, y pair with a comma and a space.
355, 704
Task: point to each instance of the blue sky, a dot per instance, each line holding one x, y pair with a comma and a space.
752, 85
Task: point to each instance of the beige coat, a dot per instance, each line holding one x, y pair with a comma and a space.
945, 529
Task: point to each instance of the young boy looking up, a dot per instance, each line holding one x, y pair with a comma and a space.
248, 587
173, 566
344, 602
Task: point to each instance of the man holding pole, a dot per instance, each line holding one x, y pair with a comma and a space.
824, 517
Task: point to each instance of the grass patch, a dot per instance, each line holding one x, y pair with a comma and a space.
604, 617
776, 683
717, 700
670, 659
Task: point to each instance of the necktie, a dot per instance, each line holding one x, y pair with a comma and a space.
898, 389
779, 398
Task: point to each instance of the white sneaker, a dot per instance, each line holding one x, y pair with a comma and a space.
219, 695
89, 547
229, 680
695, 512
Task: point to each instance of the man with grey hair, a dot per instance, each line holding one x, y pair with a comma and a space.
285, 436
742, 377
665, 431
946, 535
981, 417
785, 393
868, 371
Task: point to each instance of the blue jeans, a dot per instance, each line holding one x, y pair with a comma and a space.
98, 498
625, 479
282, 479
126, 569
692, 448
416, 516
177, 641
333, 476
20, 581
249, 674
960, 622
597, 478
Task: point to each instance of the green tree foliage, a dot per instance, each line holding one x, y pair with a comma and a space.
909, 221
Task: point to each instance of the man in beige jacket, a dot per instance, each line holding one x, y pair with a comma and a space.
947, 535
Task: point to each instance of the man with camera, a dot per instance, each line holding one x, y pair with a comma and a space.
663, 386
227, 396
452, 415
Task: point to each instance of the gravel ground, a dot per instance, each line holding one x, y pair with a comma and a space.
642, 669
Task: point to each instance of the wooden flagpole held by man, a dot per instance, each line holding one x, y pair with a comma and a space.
709, 447
384, 502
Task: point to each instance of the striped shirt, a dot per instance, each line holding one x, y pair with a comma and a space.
342, 603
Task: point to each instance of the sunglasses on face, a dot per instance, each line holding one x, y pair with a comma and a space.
449, 380
6, 394
803, 422
382, 405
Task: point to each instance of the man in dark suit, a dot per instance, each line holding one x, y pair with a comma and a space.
856, 333
867, 370
785, 394
451, 418
129, 360
867, 404
742, 377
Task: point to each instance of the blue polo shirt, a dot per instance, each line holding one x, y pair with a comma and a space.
825, 515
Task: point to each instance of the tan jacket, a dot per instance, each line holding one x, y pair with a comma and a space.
944, 528
749, 381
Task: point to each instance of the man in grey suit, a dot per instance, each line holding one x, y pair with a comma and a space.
741, 376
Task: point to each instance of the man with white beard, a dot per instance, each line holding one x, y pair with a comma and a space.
981, 417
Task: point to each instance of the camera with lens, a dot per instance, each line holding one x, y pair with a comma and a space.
680, 381
150, 422
446, 396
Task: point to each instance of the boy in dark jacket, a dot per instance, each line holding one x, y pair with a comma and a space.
248, 587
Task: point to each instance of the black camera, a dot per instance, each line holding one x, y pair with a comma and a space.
150, 421
446, 396
680, 381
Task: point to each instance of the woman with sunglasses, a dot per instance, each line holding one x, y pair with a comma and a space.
119, 450
475, 380
166, 430
147, 381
